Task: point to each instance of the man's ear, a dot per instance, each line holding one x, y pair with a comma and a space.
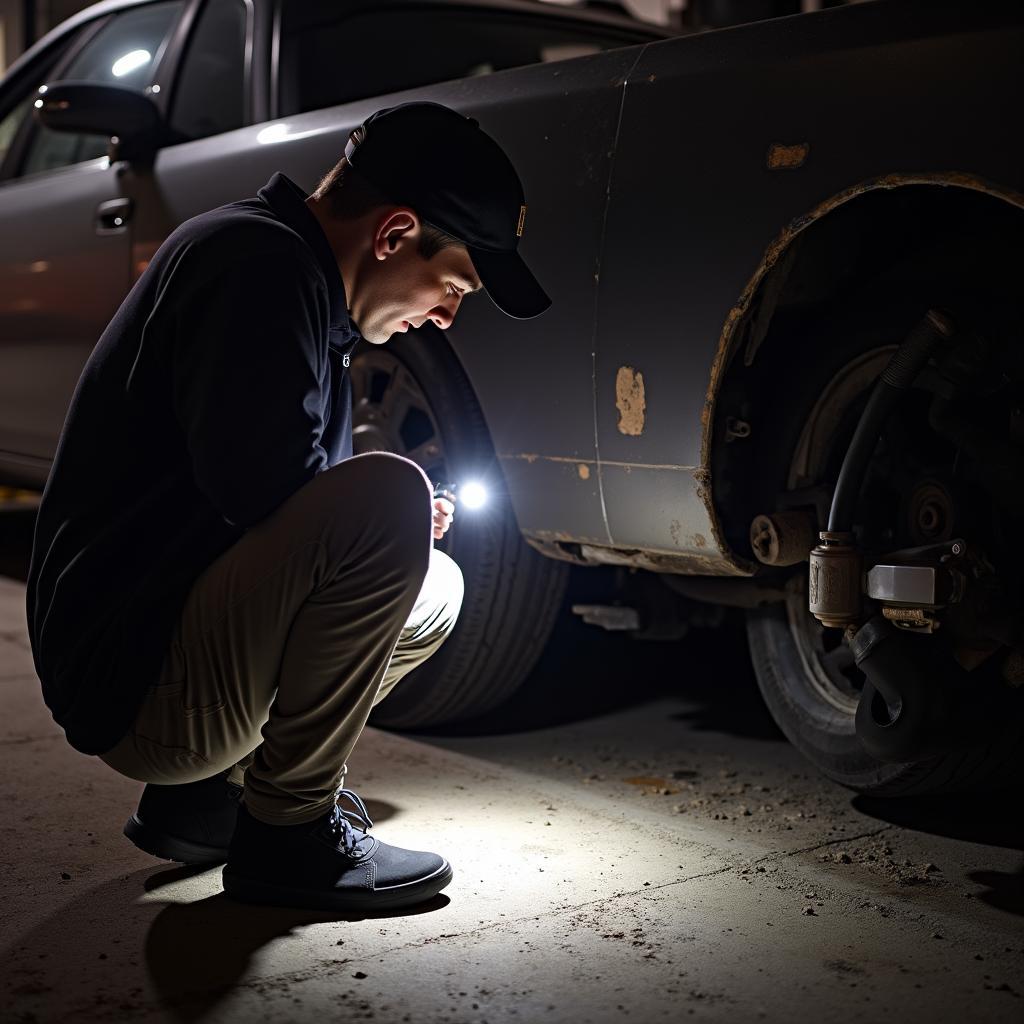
398, 227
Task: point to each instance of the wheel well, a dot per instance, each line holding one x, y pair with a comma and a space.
889, 252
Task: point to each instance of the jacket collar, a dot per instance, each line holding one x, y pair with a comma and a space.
288, 202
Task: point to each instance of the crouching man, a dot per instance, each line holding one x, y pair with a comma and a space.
219, 593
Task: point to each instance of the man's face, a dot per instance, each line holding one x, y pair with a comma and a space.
397, 288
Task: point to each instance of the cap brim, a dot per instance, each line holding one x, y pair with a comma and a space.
509, 283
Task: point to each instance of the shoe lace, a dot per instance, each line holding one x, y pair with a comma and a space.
343, 819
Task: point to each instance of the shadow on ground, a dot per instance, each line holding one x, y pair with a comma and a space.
196, 952
991, 819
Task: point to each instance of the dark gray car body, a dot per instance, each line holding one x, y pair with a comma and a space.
665, 182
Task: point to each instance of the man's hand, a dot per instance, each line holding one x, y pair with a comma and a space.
444, 512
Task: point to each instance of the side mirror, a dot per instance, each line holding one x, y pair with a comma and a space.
130, 119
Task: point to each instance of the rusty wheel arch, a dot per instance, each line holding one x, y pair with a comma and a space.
767, 283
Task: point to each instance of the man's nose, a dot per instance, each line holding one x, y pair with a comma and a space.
443, 314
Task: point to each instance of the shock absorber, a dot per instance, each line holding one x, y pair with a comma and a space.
917, 701
835, 580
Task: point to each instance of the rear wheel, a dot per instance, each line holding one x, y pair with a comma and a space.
914, 493
412, 397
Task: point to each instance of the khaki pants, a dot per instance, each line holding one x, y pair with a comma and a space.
288, 639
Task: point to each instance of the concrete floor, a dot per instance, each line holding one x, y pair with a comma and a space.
654, 853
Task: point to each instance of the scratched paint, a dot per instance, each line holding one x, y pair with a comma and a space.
631, 401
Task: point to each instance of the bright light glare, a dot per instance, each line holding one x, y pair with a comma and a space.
272, 133
282, 132
130, 62
473, 495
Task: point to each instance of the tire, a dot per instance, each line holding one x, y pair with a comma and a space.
806, 675
413, 398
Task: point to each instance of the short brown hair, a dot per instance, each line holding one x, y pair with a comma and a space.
350, 196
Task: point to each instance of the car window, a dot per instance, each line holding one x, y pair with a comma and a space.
210, 90
12, 122
125, 52
17, 102
326, 60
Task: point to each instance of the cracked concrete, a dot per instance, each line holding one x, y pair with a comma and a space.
667, 859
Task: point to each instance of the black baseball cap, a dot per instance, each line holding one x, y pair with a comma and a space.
457, 178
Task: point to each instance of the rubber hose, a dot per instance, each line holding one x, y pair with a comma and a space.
897, 377
917, 700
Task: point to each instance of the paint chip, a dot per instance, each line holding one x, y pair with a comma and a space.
787, 158
631, 401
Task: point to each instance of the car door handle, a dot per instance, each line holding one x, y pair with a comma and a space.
112, 216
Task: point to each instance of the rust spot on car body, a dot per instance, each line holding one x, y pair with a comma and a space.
787, 158
631, 401
584, 471
683, 563
568, 548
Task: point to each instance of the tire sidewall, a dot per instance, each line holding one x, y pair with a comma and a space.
823, 734
450, 686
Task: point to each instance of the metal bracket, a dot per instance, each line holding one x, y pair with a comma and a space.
613, 617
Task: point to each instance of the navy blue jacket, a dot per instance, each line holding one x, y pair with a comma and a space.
218, 389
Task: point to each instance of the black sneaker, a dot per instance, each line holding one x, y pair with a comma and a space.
191, 823
328, 864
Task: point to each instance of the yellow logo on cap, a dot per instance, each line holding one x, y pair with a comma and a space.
522, 219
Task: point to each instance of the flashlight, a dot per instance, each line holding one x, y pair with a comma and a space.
471, 495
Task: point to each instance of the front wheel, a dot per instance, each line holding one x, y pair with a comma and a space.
918, 490
412, 397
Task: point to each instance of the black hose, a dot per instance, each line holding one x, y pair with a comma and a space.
917, 701
897, 377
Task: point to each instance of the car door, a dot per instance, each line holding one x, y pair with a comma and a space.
65, 218
556, 117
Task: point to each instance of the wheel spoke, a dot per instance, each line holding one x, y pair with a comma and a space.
387, 419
